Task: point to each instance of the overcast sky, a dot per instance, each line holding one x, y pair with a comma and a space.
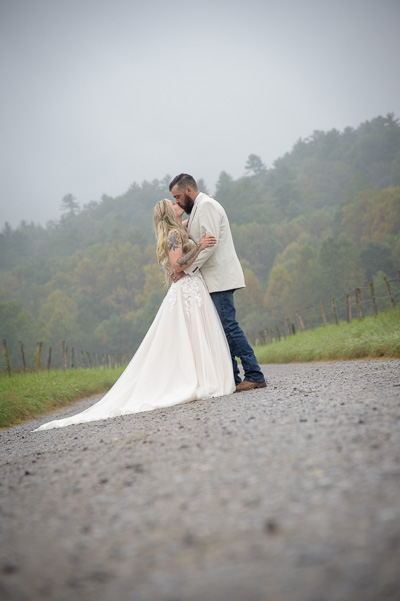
98, 94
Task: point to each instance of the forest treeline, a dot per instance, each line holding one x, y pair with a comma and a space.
323, 219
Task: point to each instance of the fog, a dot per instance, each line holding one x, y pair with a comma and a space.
96, 95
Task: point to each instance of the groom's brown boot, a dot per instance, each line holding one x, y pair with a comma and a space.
247, 385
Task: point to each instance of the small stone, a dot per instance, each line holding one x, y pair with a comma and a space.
271, 527
9, 568
188, 539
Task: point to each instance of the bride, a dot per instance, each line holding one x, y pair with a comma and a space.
184, 355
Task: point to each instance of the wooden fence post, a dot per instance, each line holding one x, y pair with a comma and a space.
83, 359
360, 311
72, 357
310, 321
89, 360
6, 357
278, 334
300, 321
37, 355
289, 327
392, 303
49, 359
322, 309
21, 352
372, 292
348, 307
335, 313
64, 355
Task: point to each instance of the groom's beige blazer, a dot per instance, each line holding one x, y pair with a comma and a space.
219, 264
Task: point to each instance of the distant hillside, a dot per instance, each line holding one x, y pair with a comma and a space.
324, 217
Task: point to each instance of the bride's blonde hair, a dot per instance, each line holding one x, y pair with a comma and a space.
164, 220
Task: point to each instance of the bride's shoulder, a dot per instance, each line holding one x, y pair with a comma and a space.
174, 239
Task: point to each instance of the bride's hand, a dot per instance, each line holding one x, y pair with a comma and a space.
177, 275
207, 241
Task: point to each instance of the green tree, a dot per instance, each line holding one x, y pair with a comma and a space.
17, 324
255, 165
257, 245
117, 334
376, 257
373, 216
341, 266
277, 294
58, 321
306, 281
69, 204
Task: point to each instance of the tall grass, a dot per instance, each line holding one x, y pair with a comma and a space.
372, 337
25, 396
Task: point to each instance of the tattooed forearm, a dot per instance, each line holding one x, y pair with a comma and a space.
174, 241
184, 260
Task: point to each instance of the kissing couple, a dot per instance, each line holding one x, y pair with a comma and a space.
190, 350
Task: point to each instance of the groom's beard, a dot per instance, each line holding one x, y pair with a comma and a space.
188, 204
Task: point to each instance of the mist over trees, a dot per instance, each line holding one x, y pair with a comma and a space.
324, 218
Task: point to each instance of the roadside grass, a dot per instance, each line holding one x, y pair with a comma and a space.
370, 338
25, 396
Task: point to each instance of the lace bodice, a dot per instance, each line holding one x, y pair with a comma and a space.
189, 287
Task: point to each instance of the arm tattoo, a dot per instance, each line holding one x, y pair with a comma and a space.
184, 260
174, 241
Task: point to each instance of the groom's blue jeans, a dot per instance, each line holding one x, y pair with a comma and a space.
238, 343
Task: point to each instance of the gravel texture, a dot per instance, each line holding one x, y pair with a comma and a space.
289, 493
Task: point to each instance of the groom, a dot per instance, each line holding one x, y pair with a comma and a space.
221, 271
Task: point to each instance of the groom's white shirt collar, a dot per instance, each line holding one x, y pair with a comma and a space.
194, 202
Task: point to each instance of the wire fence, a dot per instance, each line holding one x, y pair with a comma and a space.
67, 358
356, 303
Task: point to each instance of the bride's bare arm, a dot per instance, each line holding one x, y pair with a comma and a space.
180, 261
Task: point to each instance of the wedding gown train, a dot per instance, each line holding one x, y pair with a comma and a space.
183, 357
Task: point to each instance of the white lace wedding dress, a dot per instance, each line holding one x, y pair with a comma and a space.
183, 357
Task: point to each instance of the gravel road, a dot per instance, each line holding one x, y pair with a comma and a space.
289, 493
